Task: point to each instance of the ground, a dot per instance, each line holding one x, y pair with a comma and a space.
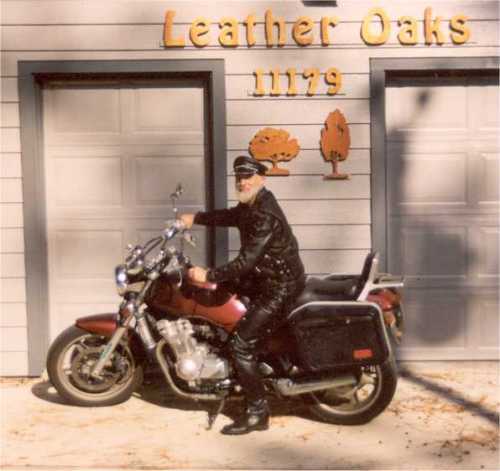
444, 416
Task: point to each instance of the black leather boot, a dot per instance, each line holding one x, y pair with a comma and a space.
256, 418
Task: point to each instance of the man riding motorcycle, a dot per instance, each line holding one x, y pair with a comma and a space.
267, 270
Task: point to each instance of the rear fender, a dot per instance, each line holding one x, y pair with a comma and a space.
106, 325
387, 299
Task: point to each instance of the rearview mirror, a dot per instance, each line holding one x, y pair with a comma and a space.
175, 196
178, 192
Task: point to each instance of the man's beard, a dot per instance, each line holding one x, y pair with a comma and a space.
246, 197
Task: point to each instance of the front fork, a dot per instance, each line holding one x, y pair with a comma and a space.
142, 329
109, 349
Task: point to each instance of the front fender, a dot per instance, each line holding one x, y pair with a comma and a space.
100, 324
106, 325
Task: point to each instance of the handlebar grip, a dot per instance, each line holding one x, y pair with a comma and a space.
206, 285
173, 228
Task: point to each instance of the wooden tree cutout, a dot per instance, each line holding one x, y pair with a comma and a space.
274, 145
335, 142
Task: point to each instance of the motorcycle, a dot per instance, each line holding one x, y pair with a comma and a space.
333, 349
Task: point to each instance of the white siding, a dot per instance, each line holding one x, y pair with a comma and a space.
331, 219
8, 89
54, 12
11, 166
13, 325
143, 36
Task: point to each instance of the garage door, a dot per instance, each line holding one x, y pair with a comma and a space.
113, 154
443, 206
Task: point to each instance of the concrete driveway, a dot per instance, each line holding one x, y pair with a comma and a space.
444, 416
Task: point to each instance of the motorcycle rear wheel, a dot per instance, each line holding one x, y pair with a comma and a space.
360, 404
70, 359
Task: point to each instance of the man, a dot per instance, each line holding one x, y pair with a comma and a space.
267, 270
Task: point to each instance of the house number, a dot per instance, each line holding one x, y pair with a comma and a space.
332, 77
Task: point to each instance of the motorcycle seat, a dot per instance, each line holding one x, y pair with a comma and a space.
317, 289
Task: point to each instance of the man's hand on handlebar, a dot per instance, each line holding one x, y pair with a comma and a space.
198, 274
187, 219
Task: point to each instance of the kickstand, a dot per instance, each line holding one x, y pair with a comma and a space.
213, 415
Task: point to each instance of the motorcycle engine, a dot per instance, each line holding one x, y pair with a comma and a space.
194, 359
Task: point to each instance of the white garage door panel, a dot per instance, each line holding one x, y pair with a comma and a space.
488, 319
443, 234
87, 181
82, 111
165, 111
86, 254
490, 171
487, 261
435, 318
113, 156
185, 139
432, 190
414, 118
157, 177
151, 149
82, 291
487, 109
434, 254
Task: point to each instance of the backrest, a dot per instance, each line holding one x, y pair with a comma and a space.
365, 273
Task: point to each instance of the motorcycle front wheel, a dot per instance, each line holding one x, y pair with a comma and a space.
359, 404
70, 360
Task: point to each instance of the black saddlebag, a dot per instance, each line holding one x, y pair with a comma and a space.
336, 337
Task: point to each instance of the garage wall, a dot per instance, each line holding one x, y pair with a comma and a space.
13, 319
331, 219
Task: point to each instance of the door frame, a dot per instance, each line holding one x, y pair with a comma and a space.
379, 69
32, 75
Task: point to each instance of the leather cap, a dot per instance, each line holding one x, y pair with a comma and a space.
244, 165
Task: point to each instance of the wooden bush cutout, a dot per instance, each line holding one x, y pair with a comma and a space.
274, 145
335, 142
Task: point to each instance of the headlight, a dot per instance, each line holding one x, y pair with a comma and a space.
121, 279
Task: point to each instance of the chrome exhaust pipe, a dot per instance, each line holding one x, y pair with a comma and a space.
287, 387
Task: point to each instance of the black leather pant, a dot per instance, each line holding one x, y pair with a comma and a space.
264, 314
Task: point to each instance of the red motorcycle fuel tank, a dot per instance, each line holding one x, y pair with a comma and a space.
204, 300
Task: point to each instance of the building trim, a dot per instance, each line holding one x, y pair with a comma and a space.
31, 74
379, 69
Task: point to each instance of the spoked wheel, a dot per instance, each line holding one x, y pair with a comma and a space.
356, 405
71, 359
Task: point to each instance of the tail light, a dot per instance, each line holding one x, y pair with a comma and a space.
389, 302
362, 354
387, 299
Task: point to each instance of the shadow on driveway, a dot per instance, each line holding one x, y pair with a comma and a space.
155, 391
450, 395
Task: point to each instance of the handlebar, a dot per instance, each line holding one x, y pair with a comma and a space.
136, 259
168, 261
173, 227
137, 256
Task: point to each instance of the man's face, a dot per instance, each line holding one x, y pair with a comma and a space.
247, 187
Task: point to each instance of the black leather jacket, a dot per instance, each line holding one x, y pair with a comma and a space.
269, 251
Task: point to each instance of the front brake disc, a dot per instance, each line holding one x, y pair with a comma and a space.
81, 366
